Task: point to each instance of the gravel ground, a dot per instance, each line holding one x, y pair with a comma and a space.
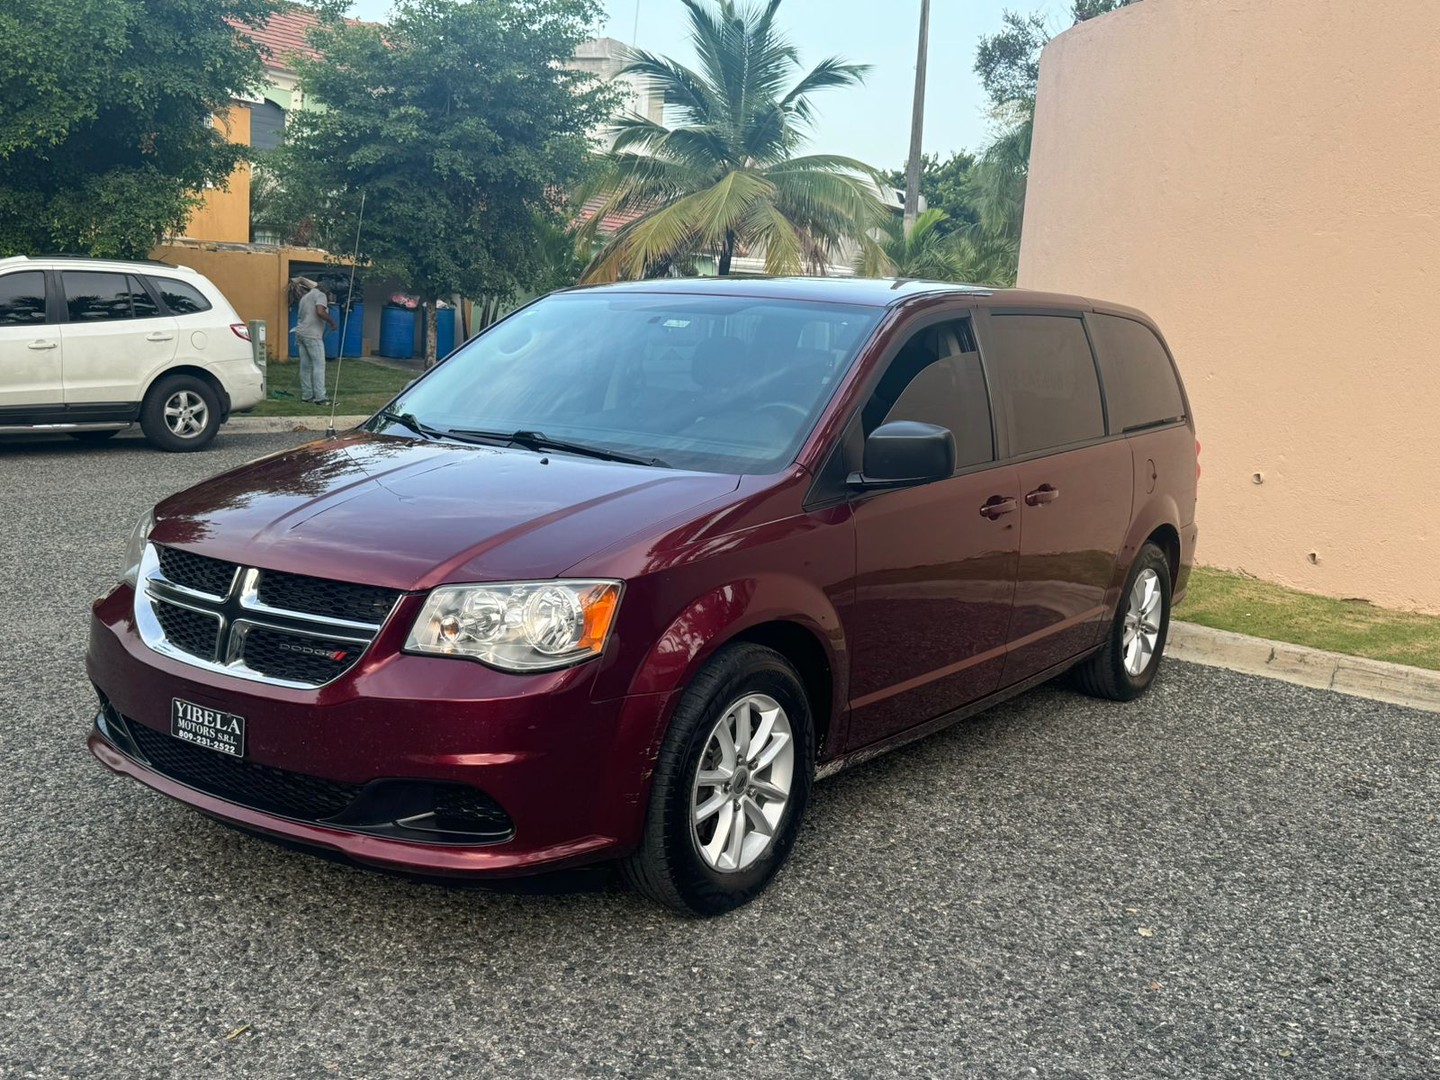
1232, 877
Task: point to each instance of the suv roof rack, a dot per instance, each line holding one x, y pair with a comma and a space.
58, 255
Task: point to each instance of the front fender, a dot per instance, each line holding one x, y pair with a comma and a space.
728, 613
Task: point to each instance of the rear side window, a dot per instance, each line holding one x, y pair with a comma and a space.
1140, 385
1044, 377
179, 297
22, 299
91, 296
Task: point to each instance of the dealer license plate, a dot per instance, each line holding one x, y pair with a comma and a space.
210, 728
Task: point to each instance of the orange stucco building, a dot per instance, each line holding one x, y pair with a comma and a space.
1261, 177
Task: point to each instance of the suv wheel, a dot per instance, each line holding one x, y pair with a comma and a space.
730, 787
1125, 667
180, 413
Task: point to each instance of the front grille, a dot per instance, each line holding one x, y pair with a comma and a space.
199, 572
189, 631
265, 625
330, 599
297, 658
274, 791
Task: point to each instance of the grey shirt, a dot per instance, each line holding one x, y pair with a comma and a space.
308, 323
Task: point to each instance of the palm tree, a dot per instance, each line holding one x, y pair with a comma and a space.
724, 178
925, 253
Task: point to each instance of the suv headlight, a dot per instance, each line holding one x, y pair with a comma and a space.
517, 626
135, 549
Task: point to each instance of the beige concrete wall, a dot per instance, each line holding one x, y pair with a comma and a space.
1263, 177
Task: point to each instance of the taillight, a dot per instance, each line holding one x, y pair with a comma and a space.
1197, 459
240, 330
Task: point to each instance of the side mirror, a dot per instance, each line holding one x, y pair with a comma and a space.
904, 453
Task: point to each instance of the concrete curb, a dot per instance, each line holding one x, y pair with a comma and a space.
253, 425
1375, 679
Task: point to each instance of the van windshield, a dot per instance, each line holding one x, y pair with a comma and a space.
708, 383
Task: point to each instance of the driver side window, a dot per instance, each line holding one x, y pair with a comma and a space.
936, 378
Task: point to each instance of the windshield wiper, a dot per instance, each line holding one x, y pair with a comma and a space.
407, 420
538, 440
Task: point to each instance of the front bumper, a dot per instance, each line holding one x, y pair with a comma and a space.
572, 774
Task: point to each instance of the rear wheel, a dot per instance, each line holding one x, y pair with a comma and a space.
1125, 667
730, 787
180, 413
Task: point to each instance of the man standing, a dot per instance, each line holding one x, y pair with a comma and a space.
312, 318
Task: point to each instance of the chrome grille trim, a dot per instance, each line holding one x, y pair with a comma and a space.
238, 612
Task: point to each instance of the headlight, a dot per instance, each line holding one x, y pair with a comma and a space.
517, 626
135, 549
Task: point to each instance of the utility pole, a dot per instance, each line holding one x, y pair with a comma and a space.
917, 123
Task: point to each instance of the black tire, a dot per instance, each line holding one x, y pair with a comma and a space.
93, 436
669, 867
169, 433
1105, 674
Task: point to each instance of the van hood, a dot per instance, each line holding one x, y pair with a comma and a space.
408, 514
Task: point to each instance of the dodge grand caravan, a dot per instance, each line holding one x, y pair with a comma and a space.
622, 576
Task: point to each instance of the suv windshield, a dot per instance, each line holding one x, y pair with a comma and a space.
709, 383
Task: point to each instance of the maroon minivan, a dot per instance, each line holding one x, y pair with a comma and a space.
623, 575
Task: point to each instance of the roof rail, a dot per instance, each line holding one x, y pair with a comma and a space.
69, 255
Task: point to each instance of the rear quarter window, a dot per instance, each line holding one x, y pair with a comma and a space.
181, 298
1140, 385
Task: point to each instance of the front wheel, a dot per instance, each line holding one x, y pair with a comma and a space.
180, 413
1125, 667
731, 784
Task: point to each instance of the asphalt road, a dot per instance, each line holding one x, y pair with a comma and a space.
1232, 877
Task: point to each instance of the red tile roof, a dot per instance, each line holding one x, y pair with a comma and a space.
283, 36
611, 223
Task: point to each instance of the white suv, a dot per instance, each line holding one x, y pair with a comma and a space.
90, 346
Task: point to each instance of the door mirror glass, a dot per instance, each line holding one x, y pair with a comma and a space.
906, 452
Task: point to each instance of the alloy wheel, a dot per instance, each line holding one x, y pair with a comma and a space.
743, 784
186, 414
1141, 636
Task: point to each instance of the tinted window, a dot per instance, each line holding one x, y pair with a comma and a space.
96, 297
180, 298
1045, 381
140, 301
936, 379
712, 383
1140, 384
22, 299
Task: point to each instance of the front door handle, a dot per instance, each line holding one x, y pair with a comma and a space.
159, 336
42, 345
997, 505
1042, 495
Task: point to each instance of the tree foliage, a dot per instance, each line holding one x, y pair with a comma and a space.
459, 127
1008, 64
106, 136
726, 177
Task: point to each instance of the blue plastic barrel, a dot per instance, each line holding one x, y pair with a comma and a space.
294, 345
444, 332
354, 330
397, 333
332, 342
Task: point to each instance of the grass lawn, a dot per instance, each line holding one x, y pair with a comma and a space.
1235, 602
364, 387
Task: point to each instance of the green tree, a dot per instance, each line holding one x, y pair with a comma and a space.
460, 129
1008, 64
924, 253
726, 178
106, 137
945, 185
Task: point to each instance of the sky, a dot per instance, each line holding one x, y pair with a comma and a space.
871, 123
